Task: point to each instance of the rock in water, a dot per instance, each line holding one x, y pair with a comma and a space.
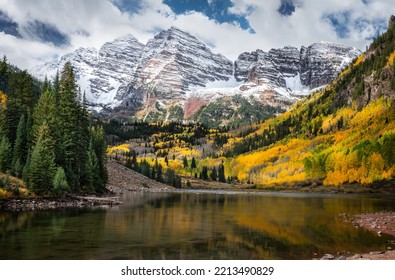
328, 257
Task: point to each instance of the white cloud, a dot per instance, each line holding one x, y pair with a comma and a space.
90, 23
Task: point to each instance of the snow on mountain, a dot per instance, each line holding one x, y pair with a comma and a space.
100, 74
173, 61
175, 74
84, 61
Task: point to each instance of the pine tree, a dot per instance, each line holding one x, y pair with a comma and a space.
26, 171
3, 66
42, 163
169, 177
99, 146
45, 111
221, 174
185, 162
204, 173
41, 170
73, 122
159, 173
93, 181
193, 163
60, 185
20, 147
214, 173
5, 155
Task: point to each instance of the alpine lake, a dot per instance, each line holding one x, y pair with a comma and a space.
197, 225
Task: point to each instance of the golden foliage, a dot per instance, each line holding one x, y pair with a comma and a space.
391, 59
283, 162
180, 152
3, 98
121, 148
4, 193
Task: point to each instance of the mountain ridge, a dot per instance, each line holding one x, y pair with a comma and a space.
175, 71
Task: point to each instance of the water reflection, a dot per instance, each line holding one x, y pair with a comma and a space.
194, 226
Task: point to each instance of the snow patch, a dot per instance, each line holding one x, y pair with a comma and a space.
294, 84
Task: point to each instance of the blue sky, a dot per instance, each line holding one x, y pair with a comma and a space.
33, 32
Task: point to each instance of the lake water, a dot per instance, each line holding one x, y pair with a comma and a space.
192, 225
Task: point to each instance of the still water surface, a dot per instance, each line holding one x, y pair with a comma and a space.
195, 226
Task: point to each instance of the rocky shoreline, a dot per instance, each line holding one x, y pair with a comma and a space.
380, 223
374, 255
32, 204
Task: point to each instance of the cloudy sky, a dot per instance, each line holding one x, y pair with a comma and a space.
33, 32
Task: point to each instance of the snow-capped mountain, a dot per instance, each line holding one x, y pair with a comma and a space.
175, 76
294, 69
170, 65
100, 74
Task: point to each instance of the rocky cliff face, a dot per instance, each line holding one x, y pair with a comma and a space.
290, 68
174, 61
117, 60
321, 62
171, 64
175, 76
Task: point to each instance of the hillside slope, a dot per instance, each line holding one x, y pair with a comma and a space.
342, 134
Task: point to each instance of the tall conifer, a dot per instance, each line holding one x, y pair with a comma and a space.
20, 146
42, 163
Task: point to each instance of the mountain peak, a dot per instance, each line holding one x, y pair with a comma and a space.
174, 70
175, 34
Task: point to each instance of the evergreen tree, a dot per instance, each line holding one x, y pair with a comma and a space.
26, 171
93, 181
134, 160
41, 170
45, 111
145, 168
5, 155
204, 173
73, 122
221, 174
193, 163
99, 145
42, 163
177, 182
56, 87
159, 173
185, 162
213, 174
46, 86
20, 147
60, 184
3, 66
169, 177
